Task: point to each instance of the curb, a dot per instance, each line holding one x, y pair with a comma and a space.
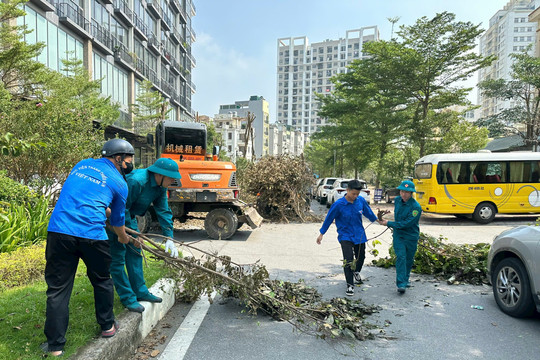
134, 327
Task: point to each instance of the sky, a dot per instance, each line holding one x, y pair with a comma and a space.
236, 40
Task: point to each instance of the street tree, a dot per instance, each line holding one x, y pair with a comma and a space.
149, 109
368, 105
67, 120
524, 89
445, 56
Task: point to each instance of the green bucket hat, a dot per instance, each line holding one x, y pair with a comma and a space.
407, 185
166, 167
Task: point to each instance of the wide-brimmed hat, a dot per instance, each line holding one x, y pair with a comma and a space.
407, 185
166, 167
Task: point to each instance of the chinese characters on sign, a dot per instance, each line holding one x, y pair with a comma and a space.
183, 149
476, 188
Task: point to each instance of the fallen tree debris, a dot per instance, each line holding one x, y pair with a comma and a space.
296, 303
454, 263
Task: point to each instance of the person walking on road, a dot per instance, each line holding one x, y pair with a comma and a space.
347, 212
407, 213
146, 187
77, 231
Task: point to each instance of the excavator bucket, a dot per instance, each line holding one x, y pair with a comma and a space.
249, 215
252, 216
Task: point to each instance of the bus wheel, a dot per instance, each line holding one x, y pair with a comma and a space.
221, 223
484, 213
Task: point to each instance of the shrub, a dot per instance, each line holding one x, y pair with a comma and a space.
22, 225
12, 191
22, 266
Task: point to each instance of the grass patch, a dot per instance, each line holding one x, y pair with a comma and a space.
22, 314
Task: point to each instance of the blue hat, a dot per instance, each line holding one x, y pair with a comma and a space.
407, 185
166, 167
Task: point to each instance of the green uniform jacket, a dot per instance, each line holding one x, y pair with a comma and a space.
406, 218
143, 191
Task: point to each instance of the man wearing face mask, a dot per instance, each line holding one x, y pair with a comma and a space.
77, 231
146, 187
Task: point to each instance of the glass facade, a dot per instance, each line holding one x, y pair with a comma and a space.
122, 43
59, 44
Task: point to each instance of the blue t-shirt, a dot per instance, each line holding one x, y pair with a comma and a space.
348, 218
91, 187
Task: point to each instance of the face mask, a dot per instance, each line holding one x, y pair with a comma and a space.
129, 168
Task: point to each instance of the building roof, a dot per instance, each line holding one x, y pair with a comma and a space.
507, 143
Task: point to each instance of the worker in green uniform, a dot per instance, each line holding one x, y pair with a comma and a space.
145, 187
406, 232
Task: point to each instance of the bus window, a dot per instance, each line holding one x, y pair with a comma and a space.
422, 171
488, 172
452, 173
524, 171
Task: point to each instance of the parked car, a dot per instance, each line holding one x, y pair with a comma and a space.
314, 187
339, 189
513, 267
389, 194
323, 189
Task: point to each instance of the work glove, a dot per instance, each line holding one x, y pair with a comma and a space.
169, 246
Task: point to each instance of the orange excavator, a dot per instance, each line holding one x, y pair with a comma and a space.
207, 185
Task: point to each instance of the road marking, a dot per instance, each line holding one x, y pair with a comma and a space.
184, 335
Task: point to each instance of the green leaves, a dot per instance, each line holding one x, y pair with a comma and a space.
22, 225
461, 263
393, 100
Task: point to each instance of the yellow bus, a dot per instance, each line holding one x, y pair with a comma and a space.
479, 184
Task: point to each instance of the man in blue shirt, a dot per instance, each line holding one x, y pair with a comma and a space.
146, 187
77, 231
348, 212
407, 213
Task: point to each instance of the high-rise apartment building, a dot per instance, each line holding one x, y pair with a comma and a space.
510, 31
305, 69
259, 107
122, 42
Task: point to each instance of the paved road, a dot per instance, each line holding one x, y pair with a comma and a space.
432, 320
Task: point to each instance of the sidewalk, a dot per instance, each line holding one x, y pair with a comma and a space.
134, 327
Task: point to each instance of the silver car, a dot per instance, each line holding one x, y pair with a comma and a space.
513, 266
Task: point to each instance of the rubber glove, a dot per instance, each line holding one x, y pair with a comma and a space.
169, 246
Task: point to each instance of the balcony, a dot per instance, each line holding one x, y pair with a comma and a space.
140, 28
107, 1
44, 5
166, 55
174, 36
154, 8
175, 66
166, 23
166, 87
72, 16
193, 35
175, 5
154, 44
152, 76
123, 12
122, 56
183, 15
193, 9
103, 38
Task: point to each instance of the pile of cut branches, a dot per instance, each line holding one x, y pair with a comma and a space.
454, 263
296, 303
281, 185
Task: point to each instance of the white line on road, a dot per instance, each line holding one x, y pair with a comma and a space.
184, 335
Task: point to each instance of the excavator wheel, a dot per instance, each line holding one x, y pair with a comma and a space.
221, 223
